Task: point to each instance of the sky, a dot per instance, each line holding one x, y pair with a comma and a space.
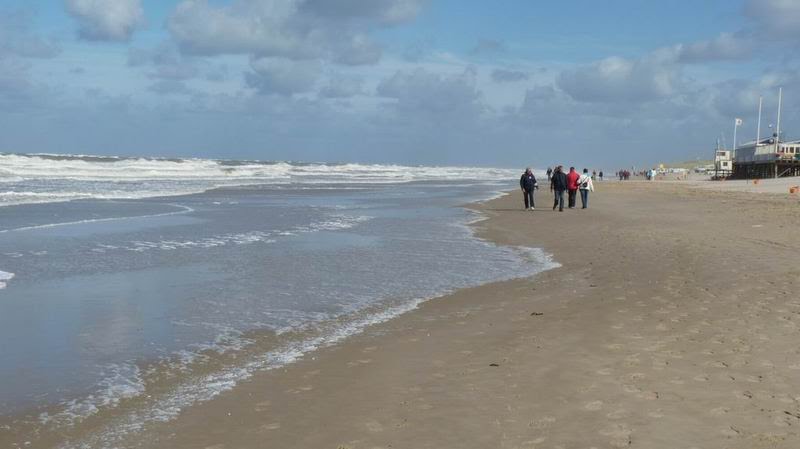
436, 82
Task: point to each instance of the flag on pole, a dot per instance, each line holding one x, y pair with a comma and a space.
738, 122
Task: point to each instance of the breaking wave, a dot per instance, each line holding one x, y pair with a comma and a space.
45, 178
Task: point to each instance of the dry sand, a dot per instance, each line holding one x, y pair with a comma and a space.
673, 323
779, 185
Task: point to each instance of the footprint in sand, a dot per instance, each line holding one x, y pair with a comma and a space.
620, 435
373, 426
719, 411
353, 363
649, 395
594, 406
743, 394
632, 360
542, 423
730, 432
263, 406
628, 388
533, 443
618, 414
783, 421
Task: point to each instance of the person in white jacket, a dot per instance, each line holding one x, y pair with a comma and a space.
585, 185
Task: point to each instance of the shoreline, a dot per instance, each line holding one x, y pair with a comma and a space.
268, 346
625, 345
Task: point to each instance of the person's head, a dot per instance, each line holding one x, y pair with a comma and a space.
586, 170
572, 169
560, 168
528, 170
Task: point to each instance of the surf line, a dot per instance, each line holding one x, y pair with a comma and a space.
184, 210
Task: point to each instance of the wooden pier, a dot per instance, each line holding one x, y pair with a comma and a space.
765, 169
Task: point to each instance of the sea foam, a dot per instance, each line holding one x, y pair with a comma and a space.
43, 178
4, 278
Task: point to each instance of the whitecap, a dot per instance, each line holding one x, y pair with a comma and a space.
4, 278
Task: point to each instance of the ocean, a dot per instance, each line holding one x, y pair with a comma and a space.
132, 288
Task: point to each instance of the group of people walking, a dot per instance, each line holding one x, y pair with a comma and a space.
560, 183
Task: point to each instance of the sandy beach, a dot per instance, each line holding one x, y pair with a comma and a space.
672, 323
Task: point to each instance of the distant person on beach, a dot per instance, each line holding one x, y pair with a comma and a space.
585, 185
528, 184
594, 174
549, 173
601, 175
572, 186
558, 184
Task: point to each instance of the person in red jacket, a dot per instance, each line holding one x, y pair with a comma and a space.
572, 186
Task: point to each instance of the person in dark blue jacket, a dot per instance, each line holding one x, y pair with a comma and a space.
558, 184
528, 184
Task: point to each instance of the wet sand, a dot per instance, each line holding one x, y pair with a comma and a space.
673, 323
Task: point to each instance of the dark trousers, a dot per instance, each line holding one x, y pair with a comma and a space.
572, 196
558, 200
528, 194
585, 198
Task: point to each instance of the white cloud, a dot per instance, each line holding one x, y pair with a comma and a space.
775, 17
342, 87
726, 46
106, 20
382, 11
616, 79
654, 76
170, 87
508, 76
17, 39
334, 30
282, 76
421, 92
167, 63
258, 27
